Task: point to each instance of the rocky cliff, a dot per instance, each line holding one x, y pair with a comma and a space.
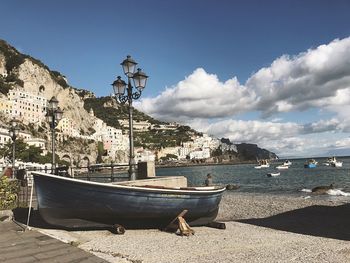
247, 151
30, 75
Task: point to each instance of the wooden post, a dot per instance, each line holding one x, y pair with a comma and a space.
172, 226
88, 173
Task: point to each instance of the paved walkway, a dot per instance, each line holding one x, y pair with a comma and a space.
31, 246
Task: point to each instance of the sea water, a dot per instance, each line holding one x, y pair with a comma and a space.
295, 180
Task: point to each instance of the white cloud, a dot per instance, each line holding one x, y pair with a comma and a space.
318, 78
200, 95
343, 143
252, 131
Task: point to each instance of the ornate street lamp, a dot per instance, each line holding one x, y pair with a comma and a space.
13, 132
139, 78
53, 116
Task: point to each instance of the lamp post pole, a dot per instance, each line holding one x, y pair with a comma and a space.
13, 131
53, 116
132, 163
119, 86
53, 165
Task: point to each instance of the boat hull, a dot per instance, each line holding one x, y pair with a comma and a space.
337, 164
310, 165
71, 203
282, 167
262, 166
273, 174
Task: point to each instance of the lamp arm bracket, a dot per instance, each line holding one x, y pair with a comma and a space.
136, 95
122, 98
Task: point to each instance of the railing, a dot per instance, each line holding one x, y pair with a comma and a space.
101, 172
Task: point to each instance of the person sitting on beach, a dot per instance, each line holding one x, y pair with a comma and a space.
209, 180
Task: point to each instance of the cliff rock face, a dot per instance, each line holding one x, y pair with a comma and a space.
2, 64
38, 79
247, 151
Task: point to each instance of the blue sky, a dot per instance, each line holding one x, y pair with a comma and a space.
190, 49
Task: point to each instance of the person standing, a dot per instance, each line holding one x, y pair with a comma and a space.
209, 180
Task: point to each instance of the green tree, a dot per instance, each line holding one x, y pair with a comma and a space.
100, 152
31, 154
6, 150
24, 152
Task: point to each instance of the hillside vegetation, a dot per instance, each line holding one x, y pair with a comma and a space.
110, 111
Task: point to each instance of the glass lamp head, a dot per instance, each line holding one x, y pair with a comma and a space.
129, 66
140, 79
119, 86
53, 102
58, 114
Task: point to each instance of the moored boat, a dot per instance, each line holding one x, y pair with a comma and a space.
282, 167
263, 164
287, 163
273, 174
332, 161
311, 163
73, 203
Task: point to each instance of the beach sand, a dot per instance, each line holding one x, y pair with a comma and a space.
259, 228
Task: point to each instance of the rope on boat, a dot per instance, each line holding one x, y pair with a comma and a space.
30, 205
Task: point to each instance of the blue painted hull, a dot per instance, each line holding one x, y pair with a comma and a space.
71, 203
310, 165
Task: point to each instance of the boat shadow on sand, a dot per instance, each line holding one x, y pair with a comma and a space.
322, 221
21, 215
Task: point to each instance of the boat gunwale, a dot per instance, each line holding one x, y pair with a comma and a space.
205, 189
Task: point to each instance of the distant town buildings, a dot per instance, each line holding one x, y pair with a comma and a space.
24, 106
137, 125
27, 138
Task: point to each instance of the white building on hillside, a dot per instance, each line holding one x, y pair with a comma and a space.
170, 126
200, 154
27, 107
66, 127
183, 152
37, 142
138, 125
144, 155
27, 138
114, 140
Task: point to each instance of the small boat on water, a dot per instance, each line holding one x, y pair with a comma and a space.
282, 167
263, 164
311, 163
287, 163
73, 203
332, 161
273, 174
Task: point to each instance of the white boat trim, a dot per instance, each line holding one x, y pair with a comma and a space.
204, 189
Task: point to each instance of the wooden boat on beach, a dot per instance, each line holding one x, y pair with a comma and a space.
72, 203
